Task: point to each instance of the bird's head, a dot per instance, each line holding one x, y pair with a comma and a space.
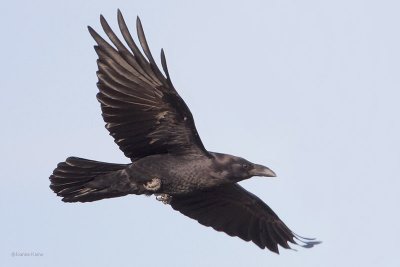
235, 169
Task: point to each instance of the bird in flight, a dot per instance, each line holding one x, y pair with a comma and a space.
154, 128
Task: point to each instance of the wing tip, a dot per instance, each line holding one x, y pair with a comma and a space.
306, 242
121, 20
164, 65
303, 242
94, 34
91, 30
102, 20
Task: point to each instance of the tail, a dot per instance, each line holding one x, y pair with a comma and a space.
83, 180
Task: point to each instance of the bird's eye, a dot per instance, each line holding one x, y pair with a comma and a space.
246, 166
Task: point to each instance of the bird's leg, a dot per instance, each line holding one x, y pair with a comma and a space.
164, 198
153, 185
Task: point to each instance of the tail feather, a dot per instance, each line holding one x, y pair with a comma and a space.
85, 180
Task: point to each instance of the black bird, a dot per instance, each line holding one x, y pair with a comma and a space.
155, 129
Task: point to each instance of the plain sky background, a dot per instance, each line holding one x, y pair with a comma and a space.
308, 88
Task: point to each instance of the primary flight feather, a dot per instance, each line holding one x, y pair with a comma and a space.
154, 128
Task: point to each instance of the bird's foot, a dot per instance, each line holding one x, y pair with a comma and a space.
164, 198
153, 185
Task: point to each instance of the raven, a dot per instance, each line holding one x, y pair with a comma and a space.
155, 129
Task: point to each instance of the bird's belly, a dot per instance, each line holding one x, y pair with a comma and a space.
173, 186
177, 185
178, 176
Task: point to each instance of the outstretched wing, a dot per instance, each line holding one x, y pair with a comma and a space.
141, 108
237, 212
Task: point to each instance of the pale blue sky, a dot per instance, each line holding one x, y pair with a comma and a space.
308, 88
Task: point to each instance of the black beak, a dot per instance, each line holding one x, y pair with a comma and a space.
260, 170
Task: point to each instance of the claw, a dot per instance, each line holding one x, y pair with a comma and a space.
164, 198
